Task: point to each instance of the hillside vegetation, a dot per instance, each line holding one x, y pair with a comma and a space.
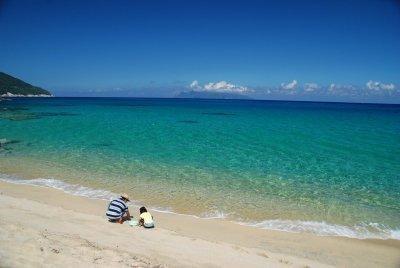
15, 86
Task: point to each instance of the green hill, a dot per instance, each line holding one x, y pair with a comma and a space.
15, 86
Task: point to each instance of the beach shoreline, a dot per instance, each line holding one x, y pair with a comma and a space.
59, 179
204, 242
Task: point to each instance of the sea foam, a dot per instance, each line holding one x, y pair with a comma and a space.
73, 189
361, 231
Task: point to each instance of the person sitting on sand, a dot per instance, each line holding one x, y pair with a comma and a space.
146, 220
118, 210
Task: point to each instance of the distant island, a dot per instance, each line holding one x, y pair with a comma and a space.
14, 87
193, 94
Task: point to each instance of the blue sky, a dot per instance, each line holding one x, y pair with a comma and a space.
271, 49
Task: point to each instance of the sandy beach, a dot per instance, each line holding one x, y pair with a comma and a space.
51, 228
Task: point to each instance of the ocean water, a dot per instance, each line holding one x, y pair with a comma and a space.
324, 168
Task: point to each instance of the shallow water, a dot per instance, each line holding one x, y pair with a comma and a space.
279, 165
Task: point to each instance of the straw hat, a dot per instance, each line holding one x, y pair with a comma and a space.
125, 196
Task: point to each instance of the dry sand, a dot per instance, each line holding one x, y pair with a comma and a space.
43, 227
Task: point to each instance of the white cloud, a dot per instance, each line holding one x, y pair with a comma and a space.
309, 87
195, 85
290, 86
221, 86
337, 87
374, 85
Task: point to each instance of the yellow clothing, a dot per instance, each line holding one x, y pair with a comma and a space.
147, 218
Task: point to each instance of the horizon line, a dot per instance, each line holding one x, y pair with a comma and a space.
209, 99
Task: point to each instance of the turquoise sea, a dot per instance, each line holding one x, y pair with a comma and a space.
324, 168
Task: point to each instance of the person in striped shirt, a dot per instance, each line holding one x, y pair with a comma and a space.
118, 210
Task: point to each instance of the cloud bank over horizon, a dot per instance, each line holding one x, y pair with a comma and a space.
371, 91
219, 87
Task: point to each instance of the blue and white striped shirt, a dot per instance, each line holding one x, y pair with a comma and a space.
116, 209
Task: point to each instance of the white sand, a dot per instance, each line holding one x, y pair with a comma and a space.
43, 227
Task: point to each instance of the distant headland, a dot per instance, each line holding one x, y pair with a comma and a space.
14, 87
